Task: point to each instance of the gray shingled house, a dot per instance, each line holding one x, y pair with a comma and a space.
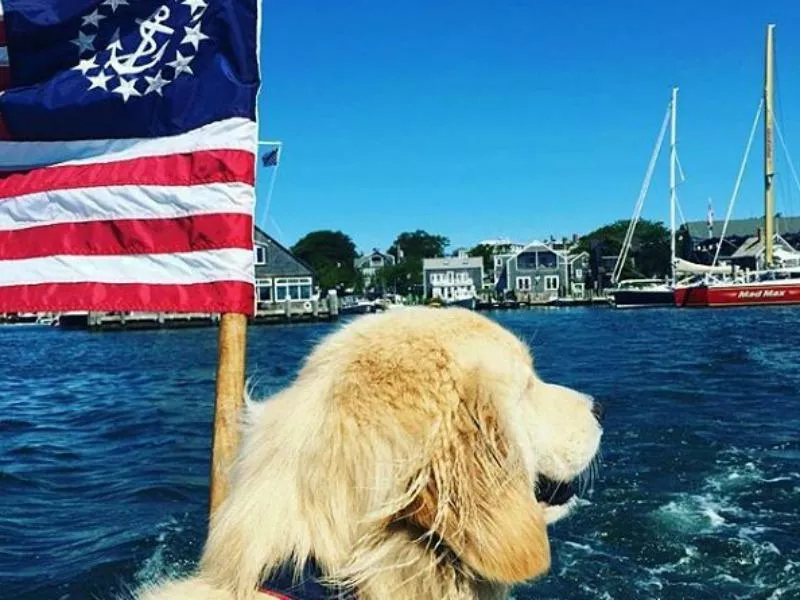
280, 275
452, 279
542, 273
371, 263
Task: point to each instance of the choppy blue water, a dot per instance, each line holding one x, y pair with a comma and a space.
104, 445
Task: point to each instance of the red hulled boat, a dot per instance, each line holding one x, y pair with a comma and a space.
777, 280
769, 288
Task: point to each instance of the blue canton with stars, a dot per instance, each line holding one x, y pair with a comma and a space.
87, 69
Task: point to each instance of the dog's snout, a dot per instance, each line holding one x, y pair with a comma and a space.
599, 411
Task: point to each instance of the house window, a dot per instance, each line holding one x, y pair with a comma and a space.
524, 283
550, 283
264, 290
547, 260
261, 255
293, 288
526, 261
579, 273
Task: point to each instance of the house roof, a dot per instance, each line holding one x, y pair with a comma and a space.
573, 257
362, 261
741, 227
263, 238
536, 245
754, 246
494, 243
457, 262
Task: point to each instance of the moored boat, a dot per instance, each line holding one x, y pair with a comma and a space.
777, 281
765, 288
642, 293
647, 293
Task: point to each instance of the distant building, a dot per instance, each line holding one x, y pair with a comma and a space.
535, 270
502, 250
578, 273
740, 228
539, 271
452, 279
750, 255
502, 245
280, 275
697, 241
371, 263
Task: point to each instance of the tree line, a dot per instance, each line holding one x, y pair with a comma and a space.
332, 254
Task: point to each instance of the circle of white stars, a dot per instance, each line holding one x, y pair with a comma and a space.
100, 75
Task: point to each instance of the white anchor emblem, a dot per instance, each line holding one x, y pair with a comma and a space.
128, 64
138, 64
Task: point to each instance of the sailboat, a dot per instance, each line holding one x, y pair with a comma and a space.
640, 293
777, 278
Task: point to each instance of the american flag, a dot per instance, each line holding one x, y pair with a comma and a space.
127, 174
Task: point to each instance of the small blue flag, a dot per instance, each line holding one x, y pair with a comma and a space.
270, 159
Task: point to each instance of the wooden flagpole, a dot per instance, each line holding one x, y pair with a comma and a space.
228, 404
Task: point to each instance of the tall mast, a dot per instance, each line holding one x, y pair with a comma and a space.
672, 162
769, 167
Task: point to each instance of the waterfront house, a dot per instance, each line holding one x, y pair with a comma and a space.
539, 272
750, 255
280, 276
369, 264
578, 273
698, 241
452, 279
536, 272
502, 249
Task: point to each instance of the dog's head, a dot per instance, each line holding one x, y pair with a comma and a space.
415, 444
480, 452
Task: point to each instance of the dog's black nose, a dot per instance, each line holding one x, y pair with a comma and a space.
599, 411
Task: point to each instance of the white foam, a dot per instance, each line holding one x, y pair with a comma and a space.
157, 566
697, 513
585, 547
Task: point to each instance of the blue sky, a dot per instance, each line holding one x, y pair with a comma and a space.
513, 119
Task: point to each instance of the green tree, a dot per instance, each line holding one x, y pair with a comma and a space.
399, 278
486, 252
409, 249
649, 253
332, 255
419, 244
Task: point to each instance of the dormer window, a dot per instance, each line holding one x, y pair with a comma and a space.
261, 255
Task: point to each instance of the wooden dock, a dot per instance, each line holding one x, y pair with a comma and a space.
294, 311
541, 302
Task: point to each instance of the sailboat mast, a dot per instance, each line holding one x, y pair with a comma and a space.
769, 167
672, 163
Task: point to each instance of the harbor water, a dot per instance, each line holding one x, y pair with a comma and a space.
104, 448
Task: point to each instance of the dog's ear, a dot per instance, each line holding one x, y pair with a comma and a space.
477, 495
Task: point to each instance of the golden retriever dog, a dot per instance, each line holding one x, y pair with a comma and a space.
416, 456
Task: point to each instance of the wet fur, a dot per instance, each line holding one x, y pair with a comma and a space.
403, 458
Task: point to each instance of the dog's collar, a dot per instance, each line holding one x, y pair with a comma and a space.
282, 584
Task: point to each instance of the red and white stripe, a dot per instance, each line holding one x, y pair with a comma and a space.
145, 224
